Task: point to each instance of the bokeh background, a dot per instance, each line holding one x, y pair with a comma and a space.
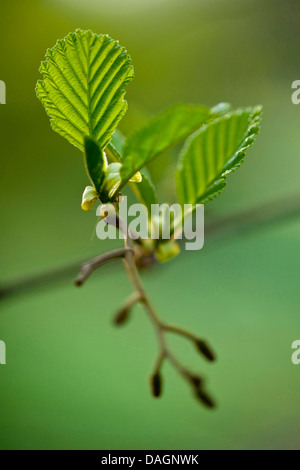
74, 382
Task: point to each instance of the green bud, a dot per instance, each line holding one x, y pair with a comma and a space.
89, 198
111, 183
166, 250
113, 180
137, 178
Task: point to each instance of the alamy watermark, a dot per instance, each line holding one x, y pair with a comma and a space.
2, 92
296, 94
2, 353
164, 222
296, 353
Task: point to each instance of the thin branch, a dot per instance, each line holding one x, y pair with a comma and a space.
179, 331
159, 363
220, 228
160, 327
130, 265
90, 266
124, 312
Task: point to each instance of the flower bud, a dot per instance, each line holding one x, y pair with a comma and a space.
205, 350
111, 183
196, 381
167, 250
122, 317
113, 180
205, 399
156, 384
89, 198
137, 178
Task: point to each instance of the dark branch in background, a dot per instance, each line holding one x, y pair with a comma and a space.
258, 217
220, 228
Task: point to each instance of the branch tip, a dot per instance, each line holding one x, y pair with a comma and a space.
205, 350
205, 399
156, 384
122, 317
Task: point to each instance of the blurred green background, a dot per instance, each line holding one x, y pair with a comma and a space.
74, 382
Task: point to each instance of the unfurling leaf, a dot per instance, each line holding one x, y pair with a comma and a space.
89, 198
112, 182
213, 152
144, 191
83, 86
115, 146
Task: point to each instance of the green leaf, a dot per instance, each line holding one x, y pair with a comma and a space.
144, 191
213, 152
83, 88
160, 133
95, 162
118, 142
114, 148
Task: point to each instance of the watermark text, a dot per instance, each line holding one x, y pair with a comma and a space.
162, 222
2, 353
2, 92
296, 353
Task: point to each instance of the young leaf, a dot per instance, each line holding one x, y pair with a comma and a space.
89, 198
160, 133
85, 76
144, 191
213, 152
114, 148
112, 181
118, 142
95, 162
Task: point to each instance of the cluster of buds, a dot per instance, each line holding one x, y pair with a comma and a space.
156, 379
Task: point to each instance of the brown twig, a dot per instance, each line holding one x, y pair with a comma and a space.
160, 327
90, 266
